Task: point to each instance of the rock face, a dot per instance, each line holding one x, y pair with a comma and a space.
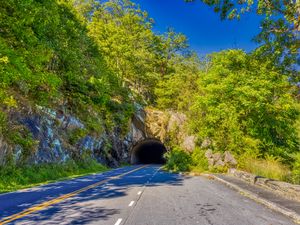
219, 159
52, 131
167, 127
5, 149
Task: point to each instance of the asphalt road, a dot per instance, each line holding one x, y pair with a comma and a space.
135, 195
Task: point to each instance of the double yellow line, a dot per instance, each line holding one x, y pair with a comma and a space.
61, 198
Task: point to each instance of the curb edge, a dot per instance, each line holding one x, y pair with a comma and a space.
287, 212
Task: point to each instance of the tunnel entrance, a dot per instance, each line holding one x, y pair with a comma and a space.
150, 151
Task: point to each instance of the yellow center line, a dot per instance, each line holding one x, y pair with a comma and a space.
61, 198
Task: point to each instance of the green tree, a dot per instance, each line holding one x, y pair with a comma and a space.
280, 25
47, 58
243, 104
124, 36
176, 88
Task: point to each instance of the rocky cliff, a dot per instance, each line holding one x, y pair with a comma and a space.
58, 137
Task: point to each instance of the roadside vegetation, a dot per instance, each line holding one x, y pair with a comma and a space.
96, 61
247, 103
18, 177
249, 108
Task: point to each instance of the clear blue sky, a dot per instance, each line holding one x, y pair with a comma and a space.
205, 31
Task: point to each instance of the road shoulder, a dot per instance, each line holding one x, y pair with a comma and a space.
273, 201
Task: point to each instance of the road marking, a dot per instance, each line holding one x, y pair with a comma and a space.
140, 196
118, 221
131, 203
46, 204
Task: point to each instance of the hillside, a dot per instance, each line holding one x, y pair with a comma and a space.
74, 73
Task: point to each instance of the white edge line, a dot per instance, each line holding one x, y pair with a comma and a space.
131, 203
287, 212
118, 221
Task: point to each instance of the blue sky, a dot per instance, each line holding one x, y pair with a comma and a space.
205, 31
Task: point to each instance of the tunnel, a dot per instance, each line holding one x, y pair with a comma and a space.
149, 151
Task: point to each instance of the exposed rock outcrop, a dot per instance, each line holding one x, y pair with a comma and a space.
168, 127
5, 149
220, 159
54, 133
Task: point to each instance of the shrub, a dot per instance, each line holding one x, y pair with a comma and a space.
199, 161
178, 160
76, 134
295, 178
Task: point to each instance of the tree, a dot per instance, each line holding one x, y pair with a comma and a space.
124, 36
176, 88
280, 34
48, 59
245, 105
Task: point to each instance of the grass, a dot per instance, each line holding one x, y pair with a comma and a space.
13, 178
269, 167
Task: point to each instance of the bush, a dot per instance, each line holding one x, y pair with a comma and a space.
76, 134
178, 160
199, 161
296, 170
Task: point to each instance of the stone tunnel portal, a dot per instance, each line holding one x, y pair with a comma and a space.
149, 151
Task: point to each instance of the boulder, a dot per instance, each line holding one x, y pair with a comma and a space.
217, 156
220, 163
219, 159
209, 154
210, 161
189, 143
229, 159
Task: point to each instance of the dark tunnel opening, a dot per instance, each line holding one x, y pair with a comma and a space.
149, 151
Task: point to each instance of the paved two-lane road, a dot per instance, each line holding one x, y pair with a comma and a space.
135, 195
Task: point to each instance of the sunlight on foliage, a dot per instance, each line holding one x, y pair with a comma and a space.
100, 61
244, 104
13, 178
270, 167
178, 160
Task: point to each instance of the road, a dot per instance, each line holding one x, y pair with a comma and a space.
135, 195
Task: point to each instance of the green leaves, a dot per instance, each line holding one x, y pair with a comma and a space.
175, 88
243, 104
178, 160
48, 58
124, 36
280, 26
95, 60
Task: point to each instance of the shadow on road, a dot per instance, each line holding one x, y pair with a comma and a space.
82, 208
